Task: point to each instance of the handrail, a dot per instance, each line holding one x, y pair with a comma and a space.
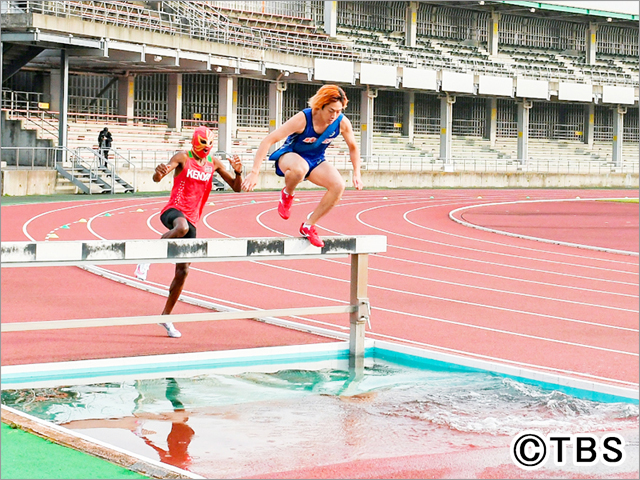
94, 164
118, 156
558, 163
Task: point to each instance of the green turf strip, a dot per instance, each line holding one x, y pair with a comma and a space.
25, 455
625, 200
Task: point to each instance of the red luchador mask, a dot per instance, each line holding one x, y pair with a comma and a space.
202, 141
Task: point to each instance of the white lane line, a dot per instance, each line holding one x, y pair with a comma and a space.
465, 237
205, 219
496, 290
523, 312
222, 301
488, 252
405, 216
472, 286
515, 267
403, 340
527, 237
498, 359
101, 214
502, 265
513, 279
412, 202
25, 225
149, 223
506, 332
435, 319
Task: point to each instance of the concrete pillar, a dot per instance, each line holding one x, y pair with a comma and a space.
331, 18
366, 123
276, 94
523, 129
591, 44
225, 113
46, 88
618, 125
174, 114
446, 134
126, 90
408, 115
64, 100
54, 91
412, 24
233, 120
589, 122
491, 120
492, 33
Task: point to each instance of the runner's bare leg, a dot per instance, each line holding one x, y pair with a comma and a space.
327, 176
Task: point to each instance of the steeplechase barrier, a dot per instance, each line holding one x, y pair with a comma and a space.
110, 252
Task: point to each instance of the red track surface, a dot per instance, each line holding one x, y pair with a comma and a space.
594, 223
441, 285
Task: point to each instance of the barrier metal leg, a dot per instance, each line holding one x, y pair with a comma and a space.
359, 318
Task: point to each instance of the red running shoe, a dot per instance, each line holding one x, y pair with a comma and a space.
312, 235
284, 206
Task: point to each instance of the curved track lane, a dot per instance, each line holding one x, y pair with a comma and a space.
440, 285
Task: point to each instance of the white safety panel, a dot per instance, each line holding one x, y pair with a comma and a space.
457, 82
384, 75
528, 88
501, 86
68, 251
333, 70
142, 249
419, 78
613, 94
576, 92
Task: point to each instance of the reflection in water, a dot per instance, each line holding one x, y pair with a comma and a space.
230, 426
179, 437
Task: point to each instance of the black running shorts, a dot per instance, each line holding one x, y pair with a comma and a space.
168, 217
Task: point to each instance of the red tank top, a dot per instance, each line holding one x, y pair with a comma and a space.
191, 189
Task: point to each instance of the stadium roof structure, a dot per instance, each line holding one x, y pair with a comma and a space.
37, 47
553, 11
575, 10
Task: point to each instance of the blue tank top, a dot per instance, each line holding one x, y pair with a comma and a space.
306, 144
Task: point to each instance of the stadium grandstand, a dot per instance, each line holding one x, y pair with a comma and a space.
440, 88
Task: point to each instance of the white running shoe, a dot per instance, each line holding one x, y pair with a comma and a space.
141, 271
171, 330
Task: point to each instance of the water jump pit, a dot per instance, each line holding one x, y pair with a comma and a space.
302, 412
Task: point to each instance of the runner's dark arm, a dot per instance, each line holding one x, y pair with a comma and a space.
235, 182
176, 163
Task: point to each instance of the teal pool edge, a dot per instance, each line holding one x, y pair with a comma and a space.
25, 376
414, 361
84, 373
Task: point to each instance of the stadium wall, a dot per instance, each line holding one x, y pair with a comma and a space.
43, 182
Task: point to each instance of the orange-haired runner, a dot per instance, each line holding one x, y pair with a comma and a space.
192, 183
308, 134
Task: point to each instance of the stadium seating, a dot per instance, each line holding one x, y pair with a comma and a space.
302, 34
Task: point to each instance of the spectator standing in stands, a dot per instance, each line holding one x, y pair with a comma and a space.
104, 143
308, 135
192, 183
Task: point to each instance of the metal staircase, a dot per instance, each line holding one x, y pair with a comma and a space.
88, 171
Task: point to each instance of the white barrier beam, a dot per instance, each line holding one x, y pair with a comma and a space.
114, 252
110, 252
185, 317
